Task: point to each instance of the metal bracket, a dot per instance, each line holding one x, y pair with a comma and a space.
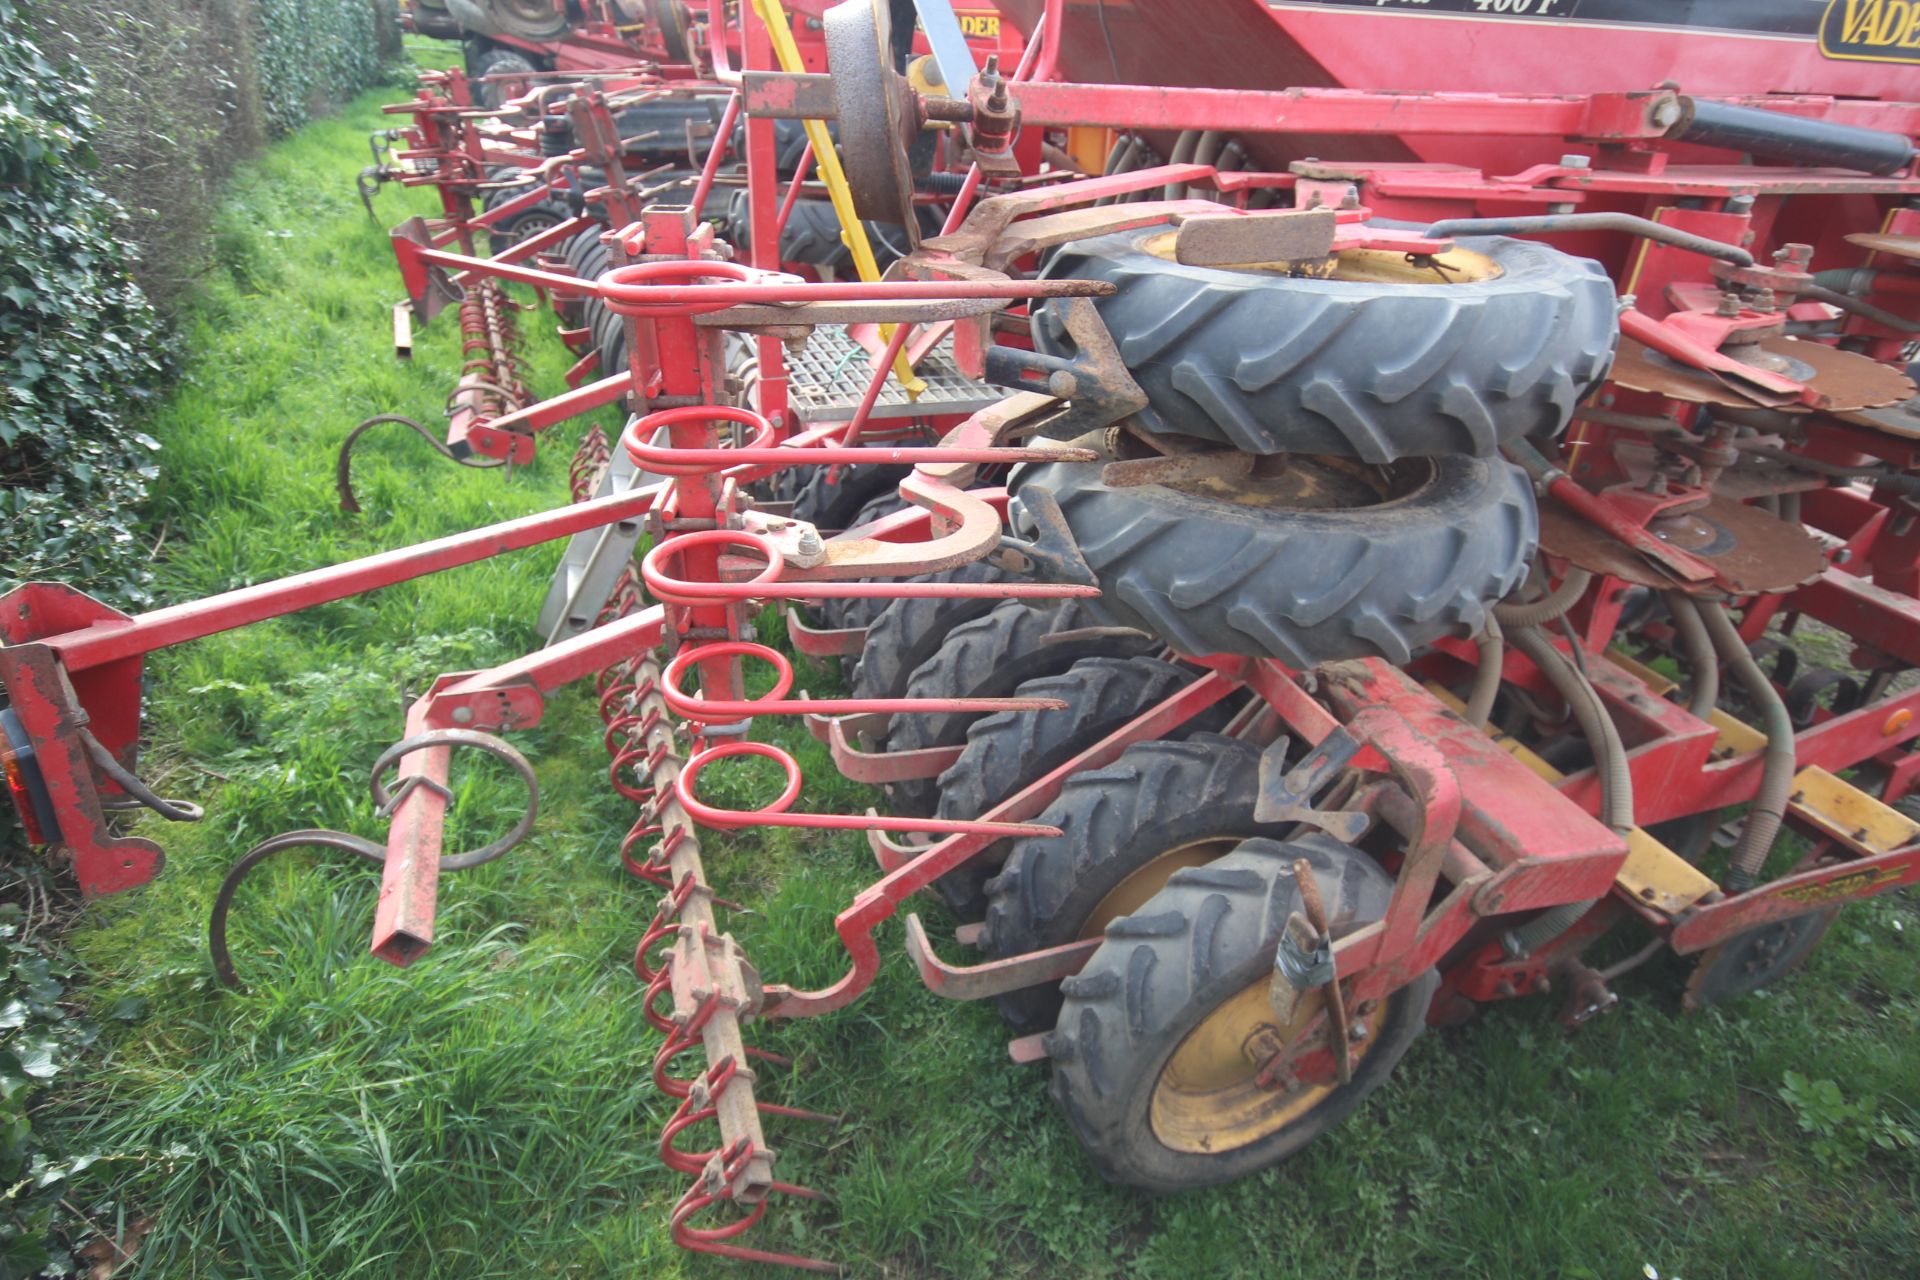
1095, 383
1286, 794
1052, 555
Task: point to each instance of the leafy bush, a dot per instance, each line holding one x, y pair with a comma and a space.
110, 163
78, 340
153, 101
186, 89
312, 53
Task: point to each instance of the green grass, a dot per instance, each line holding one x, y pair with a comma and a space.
487, 1112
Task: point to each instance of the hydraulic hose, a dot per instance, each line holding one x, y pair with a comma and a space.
1858, 306
1776, 777
1610, 759
1550, 223
1182, 153
1696, 646
1486, 676
1548, 607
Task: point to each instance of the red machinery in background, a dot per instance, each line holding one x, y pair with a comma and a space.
1341, 801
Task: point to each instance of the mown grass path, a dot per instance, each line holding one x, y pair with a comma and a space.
487, 1112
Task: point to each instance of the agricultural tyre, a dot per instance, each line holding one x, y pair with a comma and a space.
1305, 560
1020, 640
1150, 1058
1124, 830
811, 234
656, 132
1011, 750
528, 19
911, 628
543, 216
1387, 359
832, 497
496, 62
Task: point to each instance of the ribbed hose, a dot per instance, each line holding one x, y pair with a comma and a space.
1776, 776
1182, 154
1120, 159
1548, 607
1696, 646
1610, 758
1486, 676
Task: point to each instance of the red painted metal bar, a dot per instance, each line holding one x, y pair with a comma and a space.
800, 172
721, 141
568, 404
882, 369
563, 285
878, 901
1343, 111
631, 287
541, 672
410, 876
177, 624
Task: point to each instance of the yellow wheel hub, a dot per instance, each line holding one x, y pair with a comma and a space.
1209, 1100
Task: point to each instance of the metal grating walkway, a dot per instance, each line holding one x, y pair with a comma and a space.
829, 376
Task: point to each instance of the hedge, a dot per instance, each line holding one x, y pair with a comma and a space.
118, 122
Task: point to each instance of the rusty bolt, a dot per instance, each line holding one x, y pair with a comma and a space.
1262, 1044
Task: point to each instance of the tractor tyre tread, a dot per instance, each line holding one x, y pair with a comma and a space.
990, 657
1010, 749
1305, 586
908, 631
1271, 364
1155, 797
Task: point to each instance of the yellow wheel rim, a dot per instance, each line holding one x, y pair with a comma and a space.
1208, 1099
1369, 266
1132, 893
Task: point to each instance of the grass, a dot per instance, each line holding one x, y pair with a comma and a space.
487, 1112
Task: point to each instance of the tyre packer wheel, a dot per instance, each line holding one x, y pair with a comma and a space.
1124, 829
1013, 749
990, 657
1157, 1055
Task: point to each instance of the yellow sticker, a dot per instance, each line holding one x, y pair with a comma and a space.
1871, 30
979, 25
1856, 885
